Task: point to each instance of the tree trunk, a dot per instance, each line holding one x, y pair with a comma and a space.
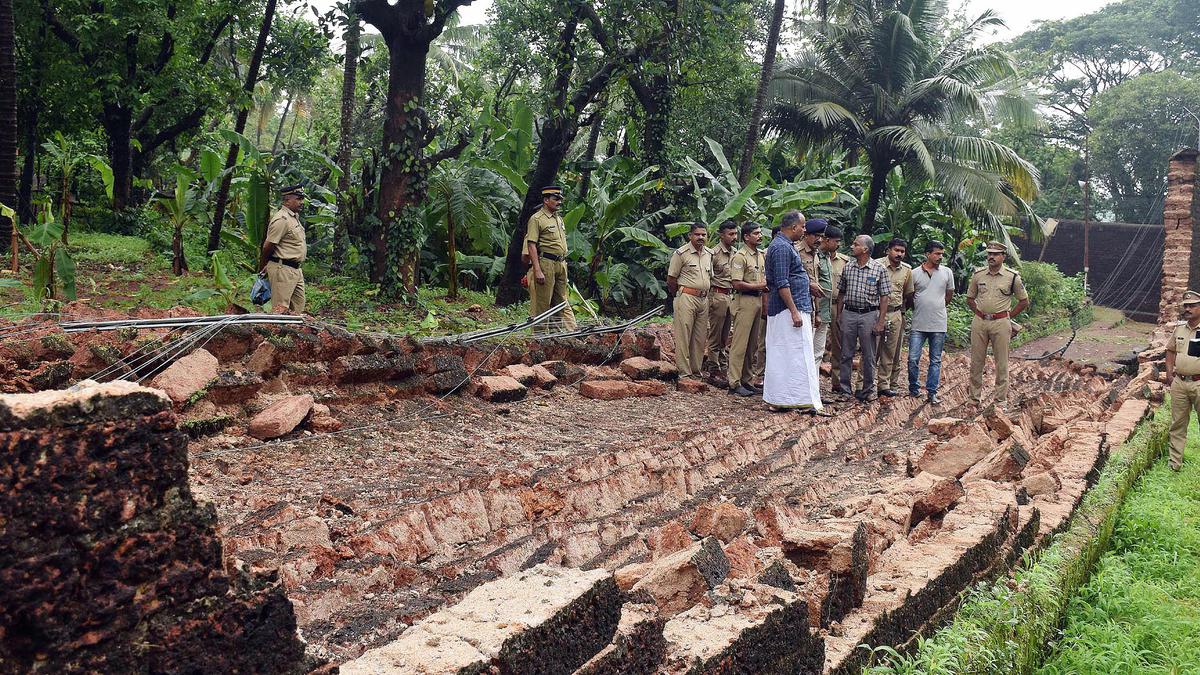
282, 123
178, 259
879, 174
8, 119
451, 253
118, 121
589, 155
760, 97
214, 232
402, 176
341, 226
28, 168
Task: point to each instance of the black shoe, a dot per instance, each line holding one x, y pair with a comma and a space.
935, 399
915, 394
756, 390
742, 391
887, 392
865, 397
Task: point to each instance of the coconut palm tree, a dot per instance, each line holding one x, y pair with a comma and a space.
889, 84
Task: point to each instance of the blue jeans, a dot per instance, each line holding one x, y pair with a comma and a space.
916, 341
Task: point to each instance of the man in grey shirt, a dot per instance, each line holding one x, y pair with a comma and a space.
934, 288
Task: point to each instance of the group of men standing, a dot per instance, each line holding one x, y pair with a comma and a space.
775, 313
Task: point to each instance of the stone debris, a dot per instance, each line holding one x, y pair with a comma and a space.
500, 389
280, 417
679, 580
953, 457
188, 376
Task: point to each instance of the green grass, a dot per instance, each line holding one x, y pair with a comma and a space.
1140, 613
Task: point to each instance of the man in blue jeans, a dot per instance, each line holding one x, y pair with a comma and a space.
933, 287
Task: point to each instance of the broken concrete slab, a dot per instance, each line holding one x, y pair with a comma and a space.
543, 620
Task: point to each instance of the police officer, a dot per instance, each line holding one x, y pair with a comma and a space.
749, 311
719, 300
546, 250
689, 281
283, 251
830, 242
1183, 375
900, 272
809, 250
990, 296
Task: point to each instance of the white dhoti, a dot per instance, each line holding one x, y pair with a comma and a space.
791, 377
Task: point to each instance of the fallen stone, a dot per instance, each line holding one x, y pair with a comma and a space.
264, 360
668, 539
500, 389
609, 390
446, 382
543, 620
724, 521
998, 422
521, 373
361, 369
602, 373
651, 388
743, 558
187, 376
680, 580
640, 368
935, 494
944, 426
691, 386
1005, 463
955, 456
839, 551
777, 575
280, 417
544, 379
234, 387
1040, 484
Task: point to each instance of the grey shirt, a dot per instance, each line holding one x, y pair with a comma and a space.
929, 301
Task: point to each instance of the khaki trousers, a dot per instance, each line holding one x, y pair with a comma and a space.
287, 288
890, 364
544, 296
1185, 397
820, 337
719, 321
835, 348
749, 336
691, 333
997, 333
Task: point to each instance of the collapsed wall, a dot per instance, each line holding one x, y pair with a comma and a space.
107, 564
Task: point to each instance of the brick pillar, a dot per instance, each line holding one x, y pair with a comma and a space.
1181, 246
107, 563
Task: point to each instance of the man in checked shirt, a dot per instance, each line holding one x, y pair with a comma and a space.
863, 292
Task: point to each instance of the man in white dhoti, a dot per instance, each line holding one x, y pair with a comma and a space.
791, 377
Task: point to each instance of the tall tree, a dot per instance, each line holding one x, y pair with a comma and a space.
764, 87
408, 27
346, 142
889, 84
8, 119
149, 63
256, 57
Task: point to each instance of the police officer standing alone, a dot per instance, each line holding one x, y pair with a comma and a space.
283, 250
546, 248
689, 279
990, 297
900, 274
1183, 375
720, 297
749, 310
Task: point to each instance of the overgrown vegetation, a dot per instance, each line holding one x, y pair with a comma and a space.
1008, 625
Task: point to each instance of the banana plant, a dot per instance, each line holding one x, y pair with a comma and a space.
53, 267
66, 158
252, 194
180, 209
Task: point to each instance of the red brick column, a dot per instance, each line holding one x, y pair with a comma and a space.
1181, 216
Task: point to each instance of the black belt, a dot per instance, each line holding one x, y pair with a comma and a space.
861, 310
288, 262
551, 256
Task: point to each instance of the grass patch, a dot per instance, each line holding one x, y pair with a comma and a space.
1007, 625
1140, 613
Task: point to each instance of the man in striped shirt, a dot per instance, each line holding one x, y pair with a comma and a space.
863, 292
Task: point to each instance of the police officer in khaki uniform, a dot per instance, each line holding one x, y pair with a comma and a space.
689, 280
900, 272
990, 296
749, 311
719, 317
1183, 375
546, 250
283, 251
830, 242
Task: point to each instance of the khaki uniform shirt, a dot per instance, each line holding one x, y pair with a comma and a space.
838, 261
748, 265
902, 283
548, 232
809, 257
286, 232
692, 268
722, 260
993, 293
1184, 364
